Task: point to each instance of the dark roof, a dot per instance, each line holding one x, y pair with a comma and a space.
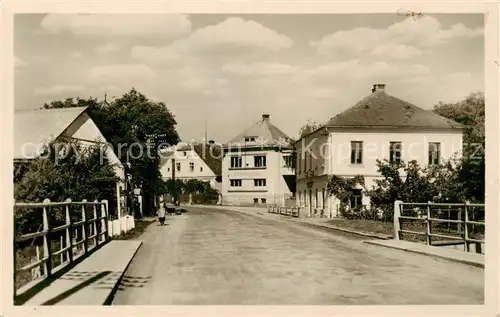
266, 134
211, 154
380, 109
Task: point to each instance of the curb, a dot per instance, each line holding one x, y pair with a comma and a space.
111, 296
471, 263
369, 235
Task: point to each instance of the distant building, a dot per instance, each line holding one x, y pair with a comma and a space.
258, 166
379, 126
199, 161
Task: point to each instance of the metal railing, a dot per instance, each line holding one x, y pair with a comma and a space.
286, 211
462, 222
69, 243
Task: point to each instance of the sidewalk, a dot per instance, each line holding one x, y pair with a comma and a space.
94, 280
470, 258
317, 222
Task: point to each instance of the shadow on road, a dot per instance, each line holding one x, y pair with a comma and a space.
133, 281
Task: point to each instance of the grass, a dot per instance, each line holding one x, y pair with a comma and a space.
366, 226
140, 227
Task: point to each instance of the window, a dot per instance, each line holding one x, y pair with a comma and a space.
259, 161
236, 161
168, 169
434, 153
184, 153
178, 165
191, 166
356, 198
256, 200
201, 168
259, 182
235, 182
250, 139
395, 152
262, 200
289, 161
356, 152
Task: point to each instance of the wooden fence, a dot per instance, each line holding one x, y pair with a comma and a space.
422, 213
93, 229
281, 210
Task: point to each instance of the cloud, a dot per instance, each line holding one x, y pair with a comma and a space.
396, 51
58, 90
107, 48
357, 70
405, 36
234, 34
18, 62
110, 74
170, 25
259, 69
77, 54
156, 54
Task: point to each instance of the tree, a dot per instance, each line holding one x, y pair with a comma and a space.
471, 168
307, 128
126, 122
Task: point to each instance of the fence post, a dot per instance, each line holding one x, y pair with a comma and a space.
428, 231
96, 239
104, 220
69, 241
466, 226
47, 253
84, 227
397, 213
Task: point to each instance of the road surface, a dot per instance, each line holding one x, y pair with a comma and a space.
218, 257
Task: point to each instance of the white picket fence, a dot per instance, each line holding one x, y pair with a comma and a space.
124, 224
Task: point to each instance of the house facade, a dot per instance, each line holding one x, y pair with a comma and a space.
194, 161
35, 129
258, 166
378, 127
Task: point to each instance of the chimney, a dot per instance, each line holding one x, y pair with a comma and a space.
265, 117
378, 87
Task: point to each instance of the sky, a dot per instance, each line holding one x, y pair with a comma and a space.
227, 70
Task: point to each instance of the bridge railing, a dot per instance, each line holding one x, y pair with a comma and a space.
283, 210
63, 240
436, 219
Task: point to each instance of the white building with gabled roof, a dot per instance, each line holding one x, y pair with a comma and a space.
379, 126
258, 166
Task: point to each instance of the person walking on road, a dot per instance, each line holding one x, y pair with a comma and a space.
161, 212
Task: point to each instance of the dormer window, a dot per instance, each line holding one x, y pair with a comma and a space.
250, 139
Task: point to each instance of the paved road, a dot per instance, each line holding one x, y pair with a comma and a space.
216, 257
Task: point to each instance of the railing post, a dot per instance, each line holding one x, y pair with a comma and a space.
47, 252
96, 239
397, 214
428, 231
84, 227
466, 227
69, 241
104, 221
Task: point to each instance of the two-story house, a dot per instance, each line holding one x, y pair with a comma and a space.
379, 126
199, 161
258, 166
